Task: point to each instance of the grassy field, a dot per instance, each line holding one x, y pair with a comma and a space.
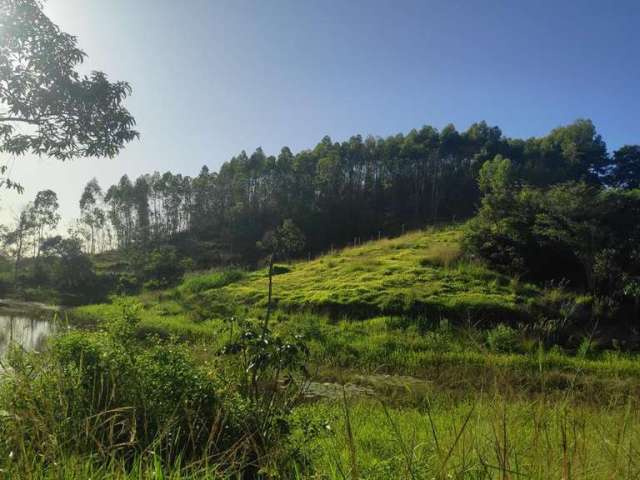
397, 305
418, 280
418, 274
425, 364
484, 438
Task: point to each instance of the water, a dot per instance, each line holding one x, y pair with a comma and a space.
29, 333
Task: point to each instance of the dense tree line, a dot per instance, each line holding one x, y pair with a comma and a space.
581, 234
32, 226
339, 192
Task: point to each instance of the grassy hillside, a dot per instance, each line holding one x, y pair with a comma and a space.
405, 305
418, 274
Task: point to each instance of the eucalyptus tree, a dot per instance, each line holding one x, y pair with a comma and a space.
361, 187
140, 199
16, 239
119, 199
45, 216
92, 212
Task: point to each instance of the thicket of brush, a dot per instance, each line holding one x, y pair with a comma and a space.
105, 400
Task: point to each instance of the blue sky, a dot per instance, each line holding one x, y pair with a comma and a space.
211, 78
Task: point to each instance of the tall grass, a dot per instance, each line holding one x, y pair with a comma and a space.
106, 402
393, 328
489, 437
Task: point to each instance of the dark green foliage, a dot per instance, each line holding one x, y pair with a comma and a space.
625, 168
267, 359
162, 268
69, 115
127, 284
72, 270
108, 397
572, 231
280, 269
343, 193
284, 242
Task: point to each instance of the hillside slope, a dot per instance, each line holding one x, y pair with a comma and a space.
385, 306
418, 274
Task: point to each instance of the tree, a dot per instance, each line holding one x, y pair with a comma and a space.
141, 201
572, 215
120, 200
360, 188
73, 270
6, 182
163, 267
574, 152
500, 232
285, 241
495, 181
65, 114
91, 210
45, 216
16, 240
625, 170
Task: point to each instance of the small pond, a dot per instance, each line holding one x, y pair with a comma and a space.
25, 324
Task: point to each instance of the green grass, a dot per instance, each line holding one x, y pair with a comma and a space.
195, 284
445, 356
162, 318
489, 437
441, 379
385, 306
421, 273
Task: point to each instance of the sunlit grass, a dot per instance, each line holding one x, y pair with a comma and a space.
488, 437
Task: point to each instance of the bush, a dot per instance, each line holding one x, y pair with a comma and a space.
127, 284
219, 279
163, 268
93, 395
281, 269
108, 397
503, 339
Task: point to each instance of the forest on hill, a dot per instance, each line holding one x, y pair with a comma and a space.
562, 197
340, 191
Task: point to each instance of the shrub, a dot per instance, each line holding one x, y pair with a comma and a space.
503, 339
163, 268
280, 269
127, 284
108, 397
219, 279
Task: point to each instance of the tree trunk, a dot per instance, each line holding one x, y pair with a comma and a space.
18, 258
266, 320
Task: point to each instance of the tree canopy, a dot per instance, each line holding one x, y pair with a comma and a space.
340, 192
46, 106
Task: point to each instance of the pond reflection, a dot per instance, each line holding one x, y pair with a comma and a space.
27, 332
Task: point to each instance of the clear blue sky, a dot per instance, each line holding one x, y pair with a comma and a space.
211, 78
